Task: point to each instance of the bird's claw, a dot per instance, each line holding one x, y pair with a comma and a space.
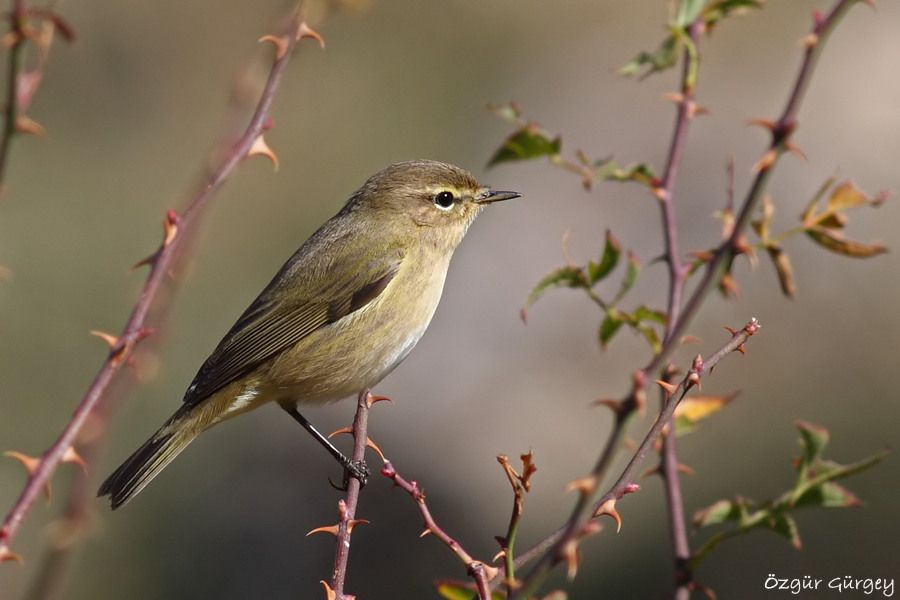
356, 469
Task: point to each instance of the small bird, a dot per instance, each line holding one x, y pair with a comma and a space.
338, 317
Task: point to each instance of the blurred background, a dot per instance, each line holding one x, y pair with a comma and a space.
132, 111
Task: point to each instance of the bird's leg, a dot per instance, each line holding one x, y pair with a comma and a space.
356, 469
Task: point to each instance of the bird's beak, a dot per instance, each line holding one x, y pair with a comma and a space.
497, 196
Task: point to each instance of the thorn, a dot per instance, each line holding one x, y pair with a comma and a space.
170, 227
490, 571
657, 470
9, 555
742, 349
340, 431
585, 486
675, 97
764, 123
498, 556
809, 41
733, 332
425, 532
572, 556
280, 43
72, 456
766, 162
609, 508
305, 31
25, 124
686, 470
260, 147
695, 110
613, 405
354, 522
690, 339
331, 529
667, 386
111, 340
372, 400
371, 444
147, 260
329, 593
31, 464
795, 150
706, 591
692, 380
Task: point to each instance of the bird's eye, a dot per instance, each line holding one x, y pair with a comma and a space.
444, 200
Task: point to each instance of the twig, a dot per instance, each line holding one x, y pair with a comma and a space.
17, 31
22, 84
668, 470
687, 109
585, 508
481, 572
160, 262
347, 508
521, 484
781, 131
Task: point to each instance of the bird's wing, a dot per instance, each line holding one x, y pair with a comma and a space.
276, 321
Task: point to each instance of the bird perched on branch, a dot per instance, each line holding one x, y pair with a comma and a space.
339, 316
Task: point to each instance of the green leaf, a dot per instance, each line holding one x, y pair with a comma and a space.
721, 511
568, 276
460, 590
611, 253
688, 11
813, 438
452, 590
828, 495
717, 11
642, 313
650, 335
525, 144
631, 275
510, 112
609, 327
609, 170
784, 525
647, 63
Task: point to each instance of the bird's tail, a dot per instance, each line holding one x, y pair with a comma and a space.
148, 460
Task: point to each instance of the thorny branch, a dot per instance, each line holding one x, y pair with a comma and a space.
175, 229
480, 571
21, 84
687, 110
347, 508
550, 548
564, 548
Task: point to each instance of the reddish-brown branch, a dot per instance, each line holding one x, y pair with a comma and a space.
17, 30
481, 572
687, 109
348, 506
548, 548
586, 508
160, 263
